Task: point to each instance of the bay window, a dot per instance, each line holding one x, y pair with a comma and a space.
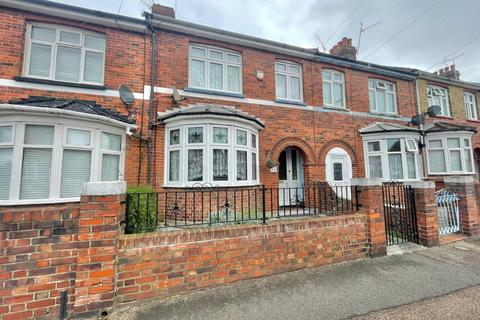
288, 81
219, 152
438, 96
382, 96
470, 106
333, 88
64, 54
449, 154
215, 69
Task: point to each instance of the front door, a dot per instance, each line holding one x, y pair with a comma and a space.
338, 173
290, 175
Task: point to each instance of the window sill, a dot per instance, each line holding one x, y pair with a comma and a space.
37, 202
473, 120
291, 102
229, 186
383, 114
60, 83
336, 108
443, 117
217, 93
451, 174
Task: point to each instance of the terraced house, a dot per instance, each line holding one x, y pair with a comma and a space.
225, 128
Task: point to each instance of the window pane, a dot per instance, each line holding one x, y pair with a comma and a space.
390, 103
233, 79
75, 170
280, 67
38, 135
241, 165
326, 75
216, 76
232, 58
110, 167
195, 165
94, 42
453, 143
281, 86
111, 141
174, 166
436, 161
395, 166
294, 69
40, 56
468, 160
412, 171
254, 141
43, 34
220, 164
466, 142
78, 137
254, 166
70, 37
295, 88
195, 135
393, 145
174, 137
242, 137
220, 135
198, 52
5, 134
93, 67
374, 146
36, 169
216, 55
381, 101
327, 93
294, 164
435, 143
338, 95
337, 172
371, 97
337, 77
68, 64
197, 75
455, 160
5, 172
282, 170
375, 166
371, 84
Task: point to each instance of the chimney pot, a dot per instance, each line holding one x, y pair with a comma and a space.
345, 49
449, 72
163, 10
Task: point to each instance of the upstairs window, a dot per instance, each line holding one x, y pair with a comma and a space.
333, 88
382, 96
470, 106
215, 69
438, 96
288, 81
64, 54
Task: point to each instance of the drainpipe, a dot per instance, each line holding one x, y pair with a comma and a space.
152, 97
422, 135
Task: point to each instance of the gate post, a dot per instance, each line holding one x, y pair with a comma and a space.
426, 207
464, 186
371, 201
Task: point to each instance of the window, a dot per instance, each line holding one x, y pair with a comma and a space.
438, 96
288, 81
215, 69
470, 106
449, 154
382, 96
64, 54
220, 153
392, 158
333, 88
45, 161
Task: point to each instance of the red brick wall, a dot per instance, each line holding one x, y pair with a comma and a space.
167, 263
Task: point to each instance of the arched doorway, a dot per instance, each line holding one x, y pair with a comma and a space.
290, 177
338, 168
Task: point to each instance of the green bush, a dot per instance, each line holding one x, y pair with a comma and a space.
141, 198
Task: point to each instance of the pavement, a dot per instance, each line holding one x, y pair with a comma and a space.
449, 274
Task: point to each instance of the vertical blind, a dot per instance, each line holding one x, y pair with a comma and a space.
36, 171
110, 167
5, 172
75, 170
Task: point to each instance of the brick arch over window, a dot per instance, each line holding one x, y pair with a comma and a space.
336, 144
309, 155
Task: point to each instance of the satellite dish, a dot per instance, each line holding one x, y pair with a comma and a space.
126, 95
434, 110
417, 120
176, 97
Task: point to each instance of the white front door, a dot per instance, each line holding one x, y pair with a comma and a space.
290, 175
338, 166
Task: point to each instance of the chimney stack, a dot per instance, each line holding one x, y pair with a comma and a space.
344, 49
449, 72
163, 10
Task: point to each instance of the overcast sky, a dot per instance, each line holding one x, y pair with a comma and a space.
413, 33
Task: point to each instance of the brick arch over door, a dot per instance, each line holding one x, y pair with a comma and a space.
308, 154
337, 144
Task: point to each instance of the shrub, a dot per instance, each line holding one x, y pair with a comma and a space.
141, 199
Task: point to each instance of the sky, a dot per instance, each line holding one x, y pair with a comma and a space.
411, 33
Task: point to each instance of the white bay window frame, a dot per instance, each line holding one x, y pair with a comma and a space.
56, 44
289, 71
465, 149
389, 90
470, 102
438, 96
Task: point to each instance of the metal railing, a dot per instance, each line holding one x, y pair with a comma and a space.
214, 205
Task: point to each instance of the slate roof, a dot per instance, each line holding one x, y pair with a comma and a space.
386, 127
439, 126
209, 109
82, 106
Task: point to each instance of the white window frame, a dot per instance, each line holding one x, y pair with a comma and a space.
439, 96
288, 74
470, 102
59, 145
208, 146
332, 81
207, 60
382, 85
444, 136
58, 29
382, 139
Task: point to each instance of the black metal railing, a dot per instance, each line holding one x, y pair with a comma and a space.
215, 205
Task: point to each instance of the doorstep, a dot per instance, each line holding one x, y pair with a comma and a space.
452, 237
402, 248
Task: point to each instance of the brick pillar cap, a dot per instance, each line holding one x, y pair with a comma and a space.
459, 179
366, 182
421, 184
106, 188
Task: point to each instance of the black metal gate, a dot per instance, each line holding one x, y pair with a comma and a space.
400, 213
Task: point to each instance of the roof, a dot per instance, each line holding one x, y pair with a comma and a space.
209, 109
82, 106
435, 77
379, 127
439, 126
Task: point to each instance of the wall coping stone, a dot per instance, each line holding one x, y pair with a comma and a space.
366, 182
421, 184
104, 188
459, 179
